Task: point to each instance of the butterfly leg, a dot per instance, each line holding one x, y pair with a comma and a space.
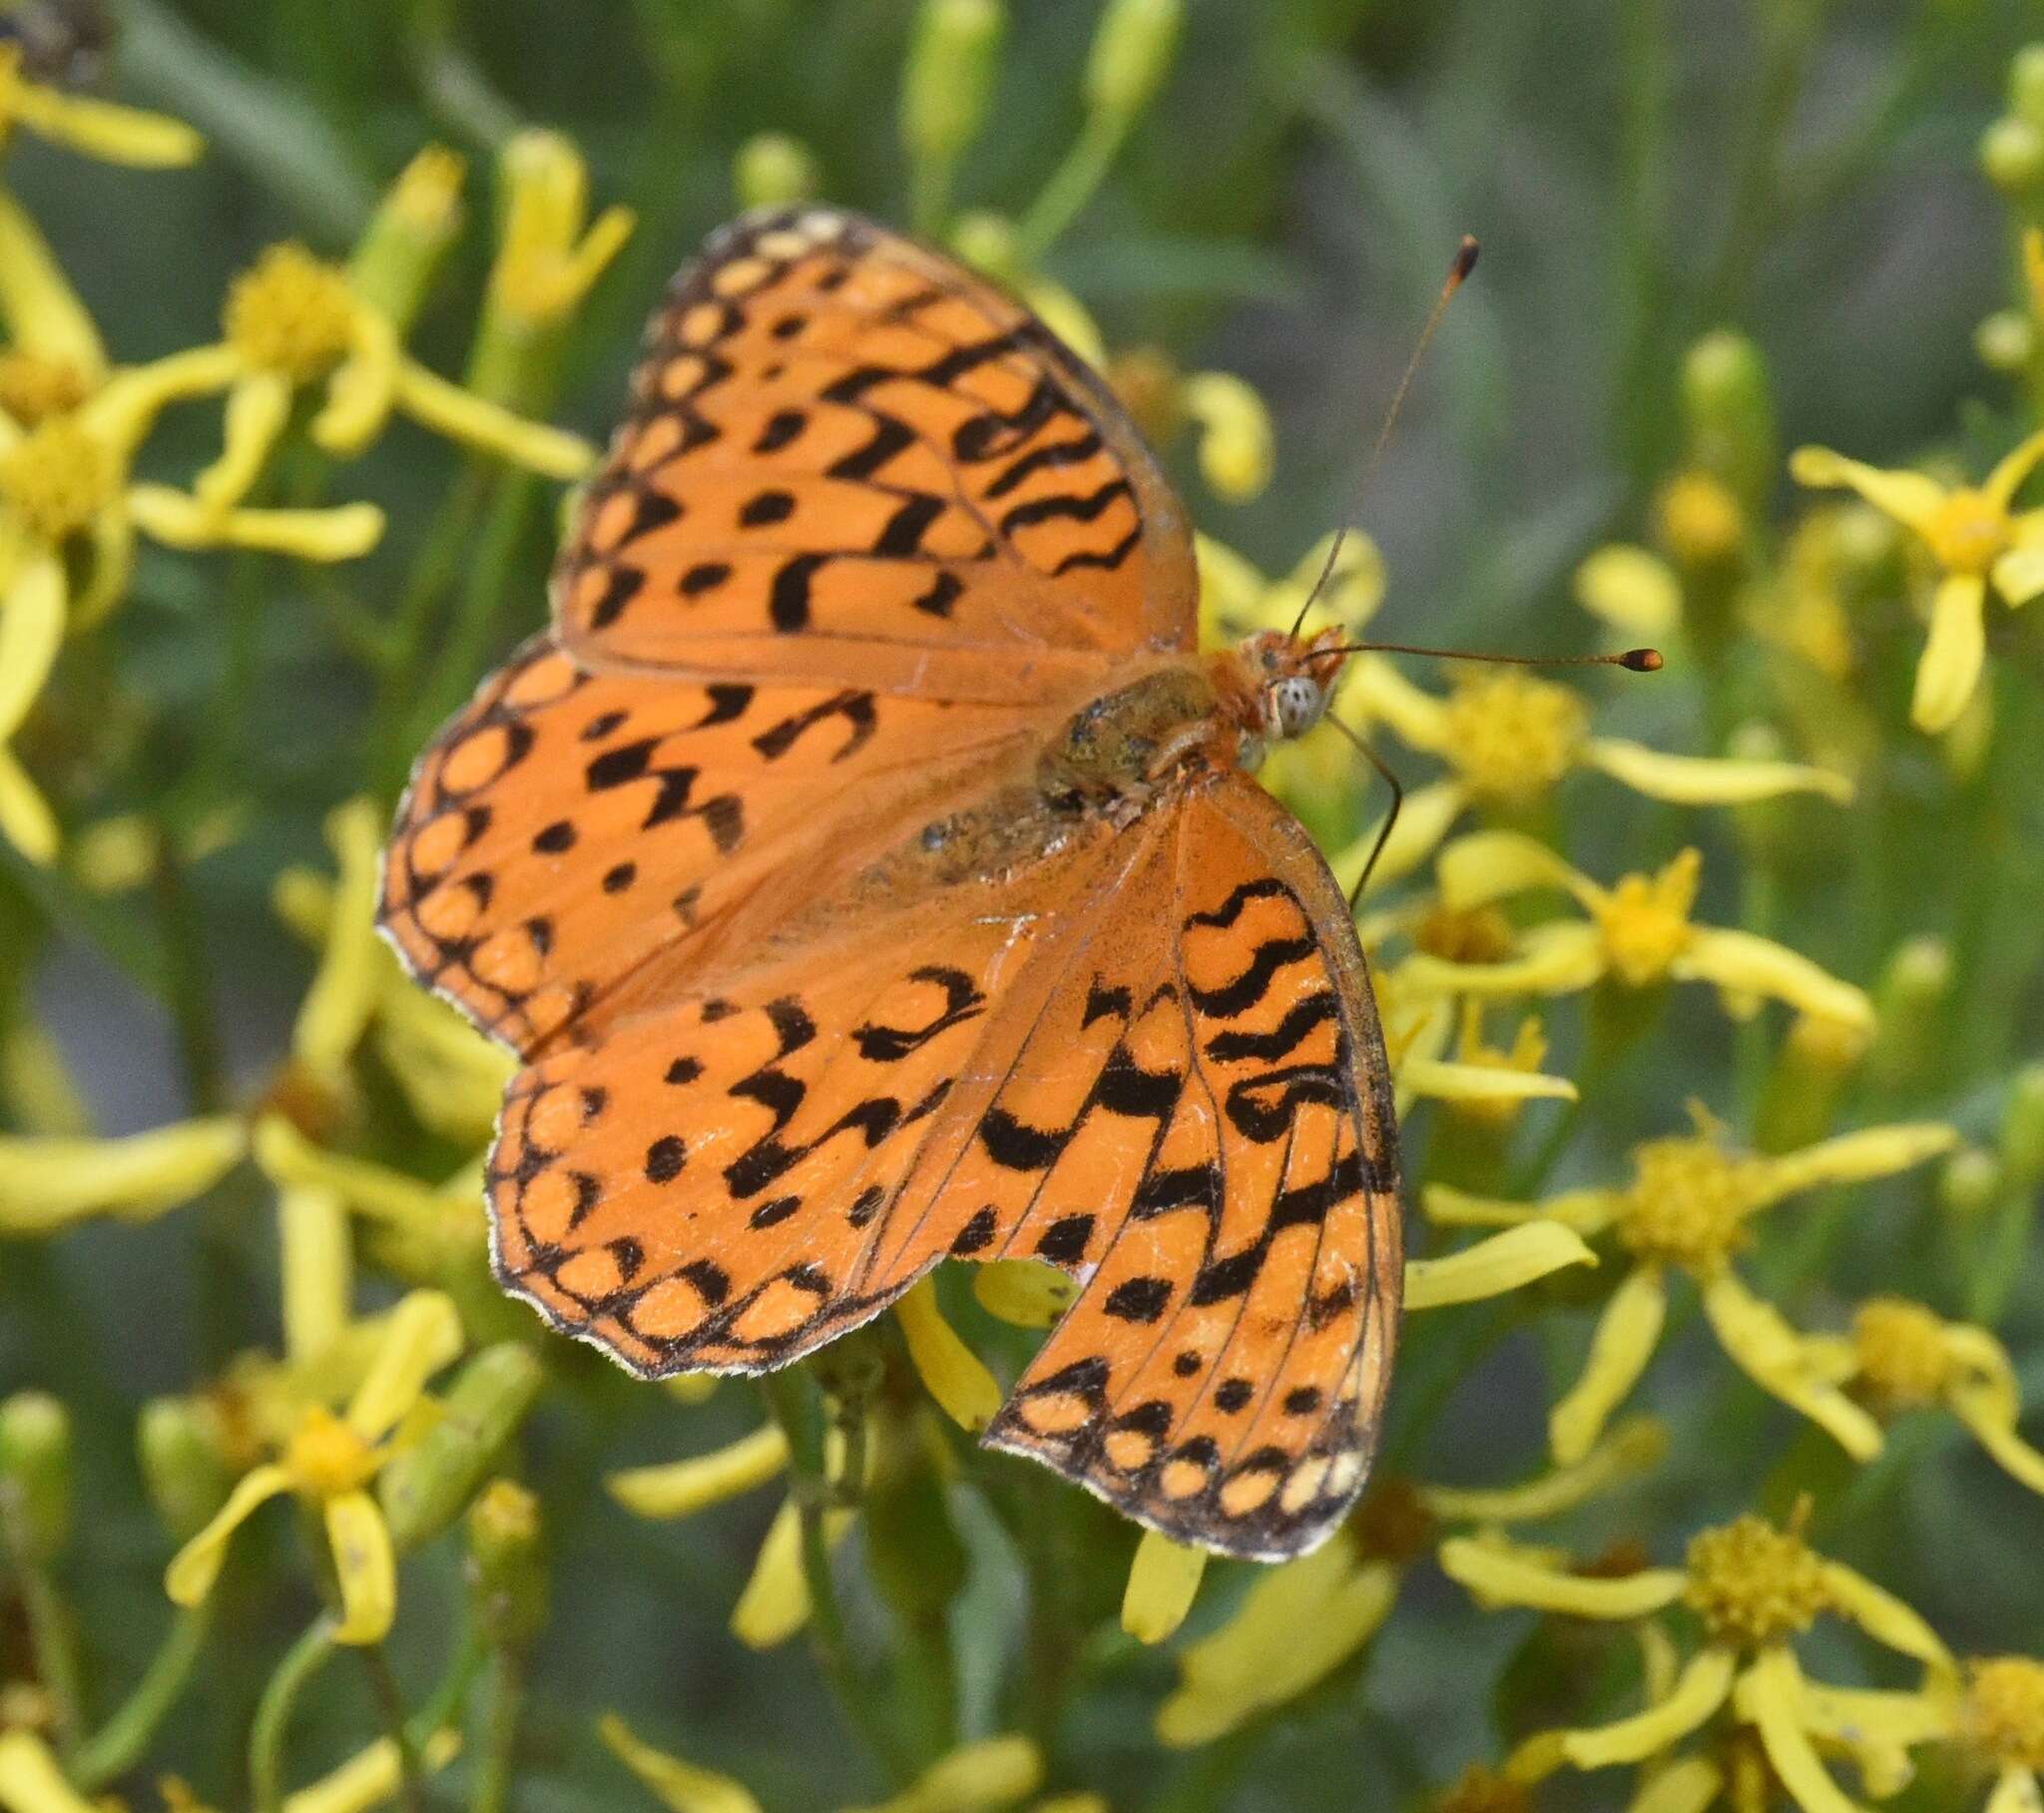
1391, 818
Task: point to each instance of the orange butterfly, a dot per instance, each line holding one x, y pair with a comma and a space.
867, 869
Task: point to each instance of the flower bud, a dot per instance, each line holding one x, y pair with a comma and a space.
2022, 1128
1631, 590
950, 77
1131, 51
1235, 434
772, 170
395, 260
181, 1448
1969, 1183
506, 1572
1909, 1008
988, 242
2004, 340
1699, 519
35, 1475
425, 1484
2012, 154
2026, 84
1729, 406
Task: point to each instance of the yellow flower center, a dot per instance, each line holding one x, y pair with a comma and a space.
58, 478
2005, 1710
1645, 920
1752, 1584
1688, 1204
1513, 738
1968, 532
1701, 520
1479, 935
1481, 1790
1901, 1351
1527, 1053
325, 1458
34, 388
291, 313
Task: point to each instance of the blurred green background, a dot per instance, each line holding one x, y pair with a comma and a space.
1804, 172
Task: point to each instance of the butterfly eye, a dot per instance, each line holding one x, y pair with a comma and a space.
1299, 702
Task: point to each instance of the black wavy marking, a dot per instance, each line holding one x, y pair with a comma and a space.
1234, 999
1281, 1041
1267, 887
962, 1002
856, 707
1122, 1087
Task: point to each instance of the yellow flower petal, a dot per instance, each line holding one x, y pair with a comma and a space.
2016, 1790
1236, 453
1505, 1261
336, 1008
1993, 1426
1067, 317
1443, 1079
26, 821
1706, 780
1588, 1211
316, 1264
1631, 590
476, 422
2011, 470
1559, 958
994, 1772
679, 1785
344, 532
1025, 1292
1375, 691
289, 1160
1771, 1353
683, 1487
1949, 667
775, 1601
193, 1569
1744, 963
1908, 497
1626, 1333
1162, 1581
104, 129
1495, 1576
1886, 1618
31, 1781
1424, 819
364, 1566
122, 409
1490, 866
950, 1370
31, 631
422, 1335
45, 1182
1855, 1157
1770, 1697
1701, 1689
1878, 1726
1689, 1784
1635, 1445
41, 310
2020, 574
371, 1776
256, 409
363, 389
1297, 1623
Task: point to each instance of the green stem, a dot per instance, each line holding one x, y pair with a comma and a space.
503, 1697
451, 1695
274, 1710
1643, 379
117, 1745
390, 1707
792, 1406
53, 1645
188, 982
1071, 184
492, 561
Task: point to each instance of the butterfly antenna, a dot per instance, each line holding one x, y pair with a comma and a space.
1458, 271
1637, 661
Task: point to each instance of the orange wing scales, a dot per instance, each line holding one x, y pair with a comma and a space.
821, 975
837, 437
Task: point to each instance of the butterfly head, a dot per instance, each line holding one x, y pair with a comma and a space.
1293, 679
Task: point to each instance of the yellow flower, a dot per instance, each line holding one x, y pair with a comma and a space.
1752, 1588
1300, 1621
329, 1461
1901, 1355
994, 1772
683, 1786
1637, 933
1631, 590
100, 129
1235, 434
31, 1781
68, 508
370, 1777
2001, 1718
49, 1183
1237, 600
674, 1488
951, 1372
1510, 738
1699, 519
1690, 1206
1977, 538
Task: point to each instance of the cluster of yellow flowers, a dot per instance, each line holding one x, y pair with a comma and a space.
1472, 913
